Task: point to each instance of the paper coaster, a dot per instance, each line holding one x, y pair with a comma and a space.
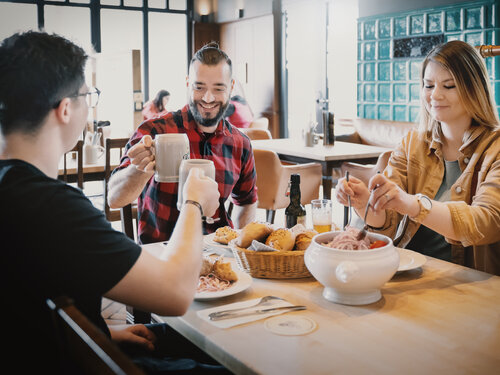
290, 325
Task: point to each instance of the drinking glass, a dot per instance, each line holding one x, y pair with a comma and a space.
206, 165
321, 215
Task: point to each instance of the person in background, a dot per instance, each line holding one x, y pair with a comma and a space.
157, 106
54, 242
239, 112
210, 137
443, 181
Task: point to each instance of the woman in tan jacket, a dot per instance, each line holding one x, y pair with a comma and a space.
441, 188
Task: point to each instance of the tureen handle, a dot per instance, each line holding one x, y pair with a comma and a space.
346, 271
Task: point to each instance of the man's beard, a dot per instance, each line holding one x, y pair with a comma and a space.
208, 122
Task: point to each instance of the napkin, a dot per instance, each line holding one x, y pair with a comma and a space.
259, 246
227, 323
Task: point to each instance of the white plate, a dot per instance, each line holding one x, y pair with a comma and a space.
409, 259
216, 246
244, 281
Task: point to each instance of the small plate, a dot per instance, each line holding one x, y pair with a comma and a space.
244, 282
216, 246
290, 325
409, 259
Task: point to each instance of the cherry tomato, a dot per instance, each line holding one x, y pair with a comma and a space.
377, 243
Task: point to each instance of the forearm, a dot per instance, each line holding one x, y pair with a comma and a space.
125, 186
242, 215
184, 249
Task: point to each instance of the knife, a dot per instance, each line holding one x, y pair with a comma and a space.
232, 315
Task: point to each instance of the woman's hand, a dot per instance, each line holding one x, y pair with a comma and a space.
133, 334
142, 155
388, 195
354, 188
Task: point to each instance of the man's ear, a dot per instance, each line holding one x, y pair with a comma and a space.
187, 81
63, 110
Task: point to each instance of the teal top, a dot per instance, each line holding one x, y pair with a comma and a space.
426, 241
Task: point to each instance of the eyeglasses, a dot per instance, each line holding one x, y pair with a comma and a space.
92, 97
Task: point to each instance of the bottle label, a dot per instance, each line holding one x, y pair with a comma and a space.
292, 220
301, 220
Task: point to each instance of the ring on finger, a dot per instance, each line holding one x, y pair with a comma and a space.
387, 197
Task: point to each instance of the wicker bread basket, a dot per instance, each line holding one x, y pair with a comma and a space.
271, 265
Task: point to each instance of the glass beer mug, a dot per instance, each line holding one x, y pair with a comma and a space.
207, 166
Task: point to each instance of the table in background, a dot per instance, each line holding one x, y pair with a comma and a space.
438, 319
329, 157
91, 172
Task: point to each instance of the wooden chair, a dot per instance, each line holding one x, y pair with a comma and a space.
273, 178
365, 171
260, 123
119, 143
255, 133
79, 169
84, 348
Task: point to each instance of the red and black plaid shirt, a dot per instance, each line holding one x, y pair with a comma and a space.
232, 155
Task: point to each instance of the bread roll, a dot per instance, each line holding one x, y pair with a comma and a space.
303, 240
224, 271
253, 231
224, 235
281, 239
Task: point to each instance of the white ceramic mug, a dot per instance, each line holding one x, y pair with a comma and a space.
206, 166
170, 150
91, 153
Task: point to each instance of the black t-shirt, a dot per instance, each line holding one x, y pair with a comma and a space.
53, 242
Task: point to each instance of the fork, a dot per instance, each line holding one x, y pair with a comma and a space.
362, 232
347, 210
263, 302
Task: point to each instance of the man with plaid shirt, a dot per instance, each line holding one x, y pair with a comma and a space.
210, 137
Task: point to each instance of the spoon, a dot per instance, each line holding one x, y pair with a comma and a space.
263, 301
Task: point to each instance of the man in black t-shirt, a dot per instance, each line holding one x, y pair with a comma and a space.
53, 241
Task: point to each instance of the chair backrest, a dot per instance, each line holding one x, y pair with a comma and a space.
273, 178
79, 160
256, 134
269, 169
111, 143
365, 171
127, 218
84, 348
260, 123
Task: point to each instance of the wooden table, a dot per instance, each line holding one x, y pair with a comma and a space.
437, 319
329, 157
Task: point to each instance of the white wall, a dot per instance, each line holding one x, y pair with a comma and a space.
342, 58
228, 10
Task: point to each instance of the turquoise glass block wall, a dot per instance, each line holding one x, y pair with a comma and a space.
388, 87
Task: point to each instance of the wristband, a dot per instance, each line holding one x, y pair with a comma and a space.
208, 220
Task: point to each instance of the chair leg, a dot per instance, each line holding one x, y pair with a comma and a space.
270, 216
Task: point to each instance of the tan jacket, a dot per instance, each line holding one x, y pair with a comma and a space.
417, 167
